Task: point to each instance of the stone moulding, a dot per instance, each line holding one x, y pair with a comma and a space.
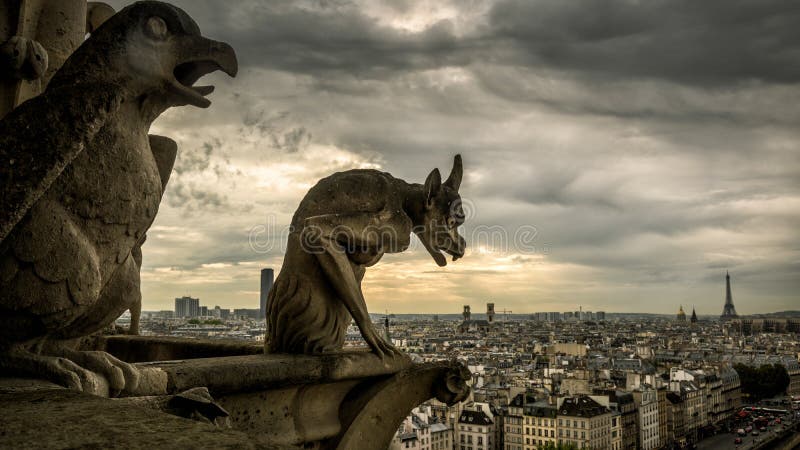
345, 400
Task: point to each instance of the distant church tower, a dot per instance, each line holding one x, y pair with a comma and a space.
681, 315
466, 313
728, 311
490, 312
694, 316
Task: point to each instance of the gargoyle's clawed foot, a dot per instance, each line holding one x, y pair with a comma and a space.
58, 370
120, 375
383, 349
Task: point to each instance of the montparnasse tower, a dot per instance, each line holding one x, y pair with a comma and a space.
728, 311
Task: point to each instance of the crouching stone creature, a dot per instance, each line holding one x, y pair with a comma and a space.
345, 224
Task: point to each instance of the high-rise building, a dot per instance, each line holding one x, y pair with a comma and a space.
728, 311
187, 307
267, 278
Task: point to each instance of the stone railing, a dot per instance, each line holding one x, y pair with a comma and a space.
336, 401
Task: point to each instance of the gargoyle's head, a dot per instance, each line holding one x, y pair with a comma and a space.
442, 214
156, 52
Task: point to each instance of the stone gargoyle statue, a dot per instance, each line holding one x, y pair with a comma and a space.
81, 183
343, 225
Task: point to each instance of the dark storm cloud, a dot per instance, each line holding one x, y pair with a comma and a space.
324, 37
191, 198
710, 43
696, 42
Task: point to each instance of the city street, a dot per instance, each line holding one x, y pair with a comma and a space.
724, 441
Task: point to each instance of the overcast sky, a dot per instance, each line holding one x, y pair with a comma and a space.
631, 151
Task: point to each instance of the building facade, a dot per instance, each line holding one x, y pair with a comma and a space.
583, 422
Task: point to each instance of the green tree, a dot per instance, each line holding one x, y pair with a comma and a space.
762, 382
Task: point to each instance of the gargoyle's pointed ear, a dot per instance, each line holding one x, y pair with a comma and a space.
454, 180
433, 184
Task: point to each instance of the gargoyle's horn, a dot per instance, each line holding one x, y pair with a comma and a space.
454, 180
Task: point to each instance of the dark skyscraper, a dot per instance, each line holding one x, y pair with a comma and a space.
187, 307
728, 311
267, 277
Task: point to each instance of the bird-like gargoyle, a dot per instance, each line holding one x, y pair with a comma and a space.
343, 225
81, 183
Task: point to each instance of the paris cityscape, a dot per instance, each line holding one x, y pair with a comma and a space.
624, 381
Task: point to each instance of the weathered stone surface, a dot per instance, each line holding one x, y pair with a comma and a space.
343, 225
81, 183
255, 372
60, 418
164, 348
48, 31
334, 401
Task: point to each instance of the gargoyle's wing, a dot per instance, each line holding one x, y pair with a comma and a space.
41, 137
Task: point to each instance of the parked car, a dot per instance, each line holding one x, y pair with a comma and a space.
754, 433
741, 432
738, 440
763, 429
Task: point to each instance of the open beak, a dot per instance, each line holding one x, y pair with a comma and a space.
456, 251
198, 56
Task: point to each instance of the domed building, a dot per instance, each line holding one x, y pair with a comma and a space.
681, 315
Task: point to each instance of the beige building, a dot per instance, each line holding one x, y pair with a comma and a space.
475, 428
616, 430
540, 425
512, 424
583, 422
731, 390
646, 399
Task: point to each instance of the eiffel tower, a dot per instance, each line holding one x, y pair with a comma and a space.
728, 311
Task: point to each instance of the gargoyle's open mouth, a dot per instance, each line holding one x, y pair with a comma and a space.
202, 56
452, 248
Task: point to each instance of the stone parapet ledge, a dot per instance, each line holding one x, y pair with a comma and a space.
346, 400
135, 349
43, 416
